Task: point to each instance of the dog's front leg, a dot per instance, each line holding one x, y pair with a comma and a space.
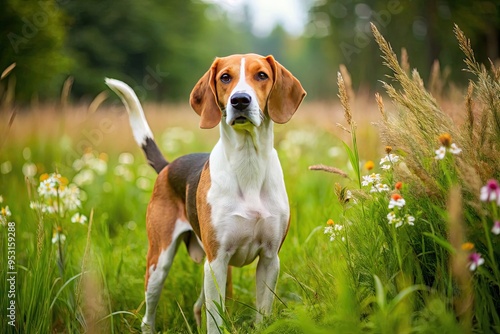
215, 292
267, 276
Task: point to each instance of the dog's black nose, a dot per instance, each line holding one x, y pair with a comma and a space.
240, 101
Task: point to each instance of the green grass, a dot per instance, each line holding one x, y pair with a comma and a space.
372, 277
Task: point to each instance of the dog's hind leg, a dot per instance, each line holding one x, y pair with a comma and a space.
155, 278
157, 272
167, 226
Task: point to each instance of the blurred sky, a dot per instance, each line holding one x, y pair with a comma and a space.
266, 14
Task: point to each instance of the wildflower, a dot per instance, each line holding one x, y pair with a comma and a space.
56, 196
391, 158
4, 215
398, 185
445, 139
330, 222
380, 187
391, 216
334, 230
372, 178
440, 153
490, 192
394, 219
79, 218
396, 201
467, 246
369, 165
386, 167
475, 260
410, 220
388, 149
446, 146
58, 236
496, 228
454, 149
71, 197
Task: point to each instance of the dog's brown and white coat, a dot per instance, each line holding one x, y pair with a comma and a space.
230, 205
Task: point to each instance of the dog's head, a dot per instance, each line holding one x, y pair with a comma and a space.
246, 89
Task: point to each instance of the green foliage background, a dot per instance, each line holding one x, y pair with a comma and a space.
162, 47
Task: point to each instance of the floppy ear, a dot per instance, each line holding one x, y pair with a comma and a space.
286, 94
203, 99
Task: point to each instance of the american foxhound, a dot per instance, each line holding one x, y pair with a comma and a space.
230, 205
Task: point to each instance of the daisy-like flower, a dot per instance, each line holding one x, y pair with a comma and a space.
394, 219
58, 236
390, 158
440, 153
490, 192
52, 185
333, 230
380, 187
446, 146
410, 220
475, 260
4, 215
79, 218
56, 196
454, 149
385, 167
372, 178
396, 201
47, 188
71, 197
496, 228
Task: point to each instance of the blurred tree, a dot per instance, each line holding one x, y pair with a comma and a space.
425, 28
152, 44
33, 37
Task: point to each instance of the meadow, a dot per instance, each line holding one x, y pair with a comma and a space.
396, 231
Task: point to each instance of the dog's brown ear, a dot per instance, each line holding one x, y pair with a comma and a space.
203, 99
286, 94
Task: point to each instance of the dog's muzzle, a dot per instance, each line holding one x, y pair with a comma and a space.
240, 103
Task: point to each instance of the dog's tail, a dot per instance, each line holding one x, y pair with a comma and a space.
142, 133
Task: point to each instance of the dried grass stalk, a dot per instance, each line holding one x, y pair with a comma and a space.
7, 70
68, 83
380, 105
329, 169
463, 300
344, 98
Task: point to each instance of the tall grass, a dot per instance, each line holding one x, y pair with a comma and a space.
350, 264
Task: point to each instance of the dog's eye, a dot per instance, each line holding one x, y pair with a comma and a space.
262, 76
225, 78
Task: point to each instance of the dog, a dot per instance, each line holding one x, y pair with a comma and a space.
229, 206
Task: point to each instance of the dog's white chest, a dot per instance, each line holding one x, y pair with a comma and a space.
250, 219
251, 229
